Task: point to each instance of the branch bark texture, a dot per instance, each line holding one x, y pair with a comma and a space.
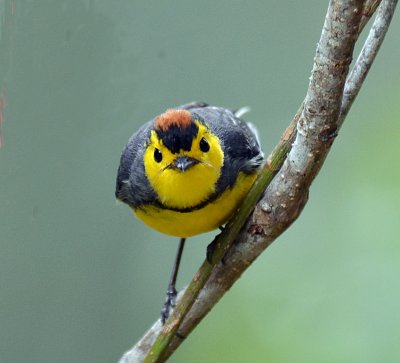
298, 157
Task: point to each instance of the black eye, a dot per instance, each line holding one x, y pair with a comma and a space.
157, 155
204, 145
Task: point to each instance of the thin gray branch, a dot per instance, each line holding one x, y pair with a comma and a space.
314, 129
367, 56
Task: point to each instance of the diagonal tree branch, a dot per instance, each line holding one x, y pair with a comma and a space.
298, 157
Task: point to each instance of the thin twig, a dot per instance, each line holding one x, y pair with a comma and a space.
312, 133
367, 56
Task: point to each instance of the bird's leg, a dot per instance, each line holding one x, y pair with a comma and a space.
170, 298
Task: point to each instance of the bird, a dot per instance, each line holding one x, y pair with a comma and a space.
186, 172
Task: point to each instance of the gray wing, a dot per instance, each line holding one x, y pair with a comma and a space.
242, 150
132, 186
233, 117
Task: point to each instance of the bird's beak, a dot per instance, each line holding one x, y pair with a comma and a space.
183, 163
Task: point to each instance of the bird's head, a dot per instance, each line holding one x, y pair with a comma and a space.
183, 159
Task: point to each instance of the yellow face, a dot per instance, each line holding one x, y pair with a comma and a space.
184, 187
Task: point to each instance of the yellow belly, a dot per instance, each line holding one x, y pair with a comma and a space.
210, 217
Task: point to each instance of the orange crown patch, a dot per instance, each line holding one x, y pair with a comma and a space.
179, 118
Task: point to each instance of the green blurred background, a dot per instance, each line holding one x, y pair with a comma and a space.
81, 279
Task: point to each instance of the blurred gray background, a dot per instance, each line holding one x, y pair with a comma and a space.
81, 279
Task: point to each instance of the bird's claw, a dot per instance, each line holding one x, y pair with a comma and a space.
210, 250
170, 302
211, 247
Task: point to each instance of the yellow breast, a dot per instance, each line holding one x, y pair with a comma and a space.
210, 217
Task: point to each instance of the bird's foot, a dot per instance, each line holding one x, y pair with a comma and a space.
170, 303
211, 247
